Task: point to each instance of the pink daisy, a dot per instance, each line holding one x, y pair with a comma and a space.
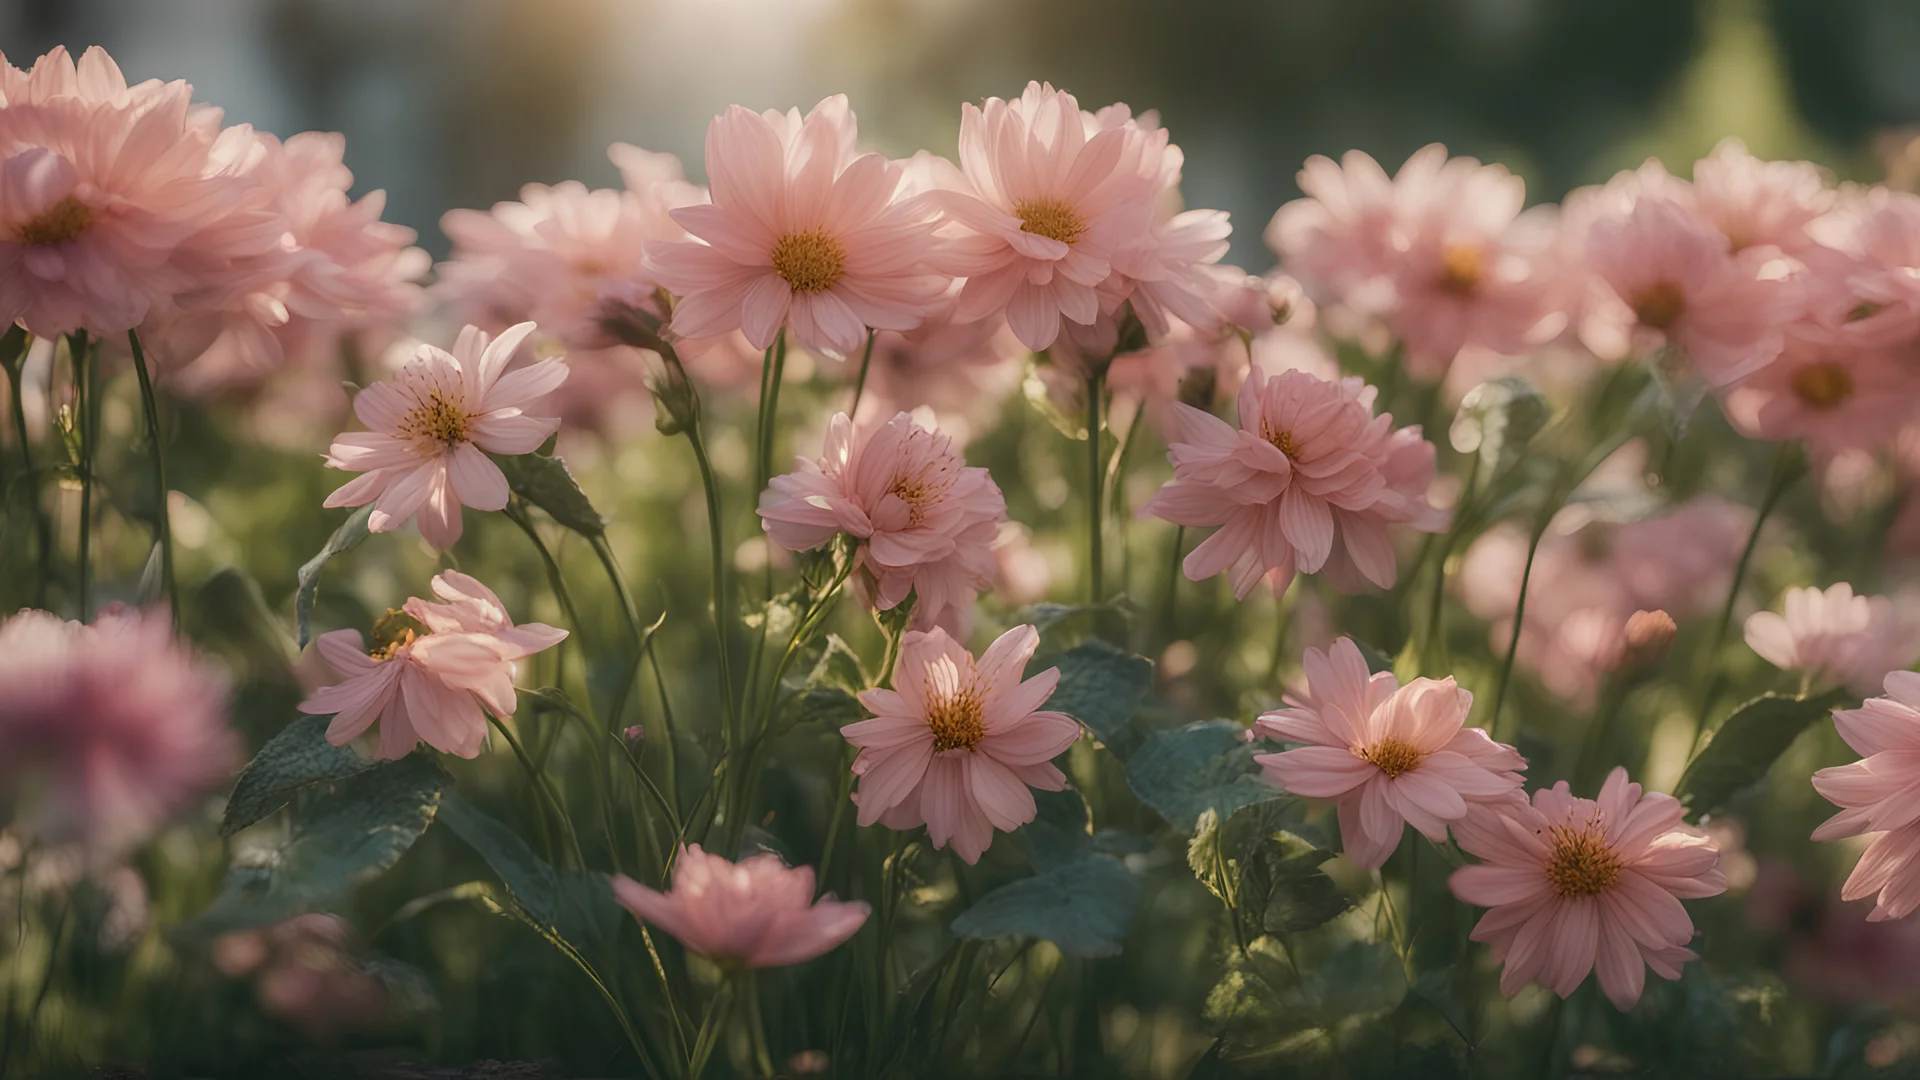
801, 232
1052, 195
757, 912
433, 425
957, 744
109, 729
432, 669
1876, 794
1341, 238
925, 522
1390, 755
1834, 635
1309, 480
1582, 885
1754, 202
1868, 287
1826, 392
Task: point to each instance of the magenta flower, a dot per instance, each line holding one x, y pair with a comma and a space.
1309, 481
107, 730
1578, 885
432, 669
1835, 635
431, 423
759, 912
1876, 797
957, 744
1390, 755
801, 233
925, 522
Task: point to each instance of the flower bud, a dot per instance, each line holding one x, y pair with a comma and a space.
1648, 635
635, 735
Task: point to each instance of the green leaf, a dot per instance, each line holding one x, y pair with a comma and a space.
1085, 907
1186, 771
1267, 994
1497, 419
825, 706
1269, 877
342, 838
1745, 747
839, 666
345, 538
1100, 686
229, 610
547, 483
1377, 661
1060, 832
576, 905
299, 757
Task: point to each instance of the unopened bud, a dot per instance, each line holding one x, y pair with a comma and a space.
1648, 635
635, 735
677, 403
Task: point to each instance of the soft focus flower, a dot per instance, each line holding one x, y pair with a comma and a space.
925, 521
306, 973
801, 232
107, 730
1754, 202
956, 744
962, 371
1876, 794
757, 912
1340, 239
432, 669
1834, 635
1826, 392
430, 425
1309, 481
1869, 290
1582, 885
1052, 195
1390, 755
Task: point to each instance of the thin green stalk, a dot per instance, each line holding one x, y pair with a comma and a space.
892, 656
1788, 465
710, 1025
1096, 384
841, 800
756, 1027
42, 527
774, 367
717, 545
545, 789
1171, 605
85, 374
629, 669
46, 984
162, 522
860, 384
1519, 619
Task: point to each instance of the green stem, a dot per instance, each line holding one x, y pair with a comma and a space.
162, 525
85, 374
773, 371
43, 531
756, 1027
1095, 489
841, 800
710, 1025
629, 669
717, 545
860, 384
1519, 618
1171, 605
545, 789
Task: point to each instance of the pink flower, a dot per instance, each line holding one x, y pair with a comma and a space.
1341, 238
758, 912
1309, 481
962, 371
100, 186
1834, 635
107, 730
956, 744
1052, 196
1876, 797
1390, 755
925, 522
430, 425
802, 233
1754, 202
1827, 392
1579, 885
432, 669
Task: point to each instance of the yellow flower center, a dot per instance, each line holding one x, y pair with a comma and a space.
436, 419
1392, 756
57, 224
1823, 385
1281, 439
1660, 306
918, 495
811, 261
956, 722
1050, 218
1461, 269
1582, 863
392, 632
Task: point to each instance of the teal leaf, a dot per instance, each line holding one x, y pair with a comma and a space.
296, 759
1186, 771
1060, 832
1745, 747
344, 539
1100, 686
576, 905
547, 483
1085, 907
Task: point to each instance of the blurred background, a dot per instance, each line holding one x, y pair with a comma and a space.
450, 103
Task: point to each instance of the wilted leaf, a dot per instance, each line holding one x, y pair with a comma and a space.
1060, 831
345, 538
299, 757
547, 483
1084, 907
577, 905
1746, 746
1100, 686
1184, 772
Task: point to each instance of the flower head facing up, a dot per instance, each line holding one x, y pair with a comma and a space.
433, 425
926, 522
430, 671
1876, 797
1309, 481
1582, 885
756, 913
1390, 755
801, 233
957, 743
1833, 634
107, 729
